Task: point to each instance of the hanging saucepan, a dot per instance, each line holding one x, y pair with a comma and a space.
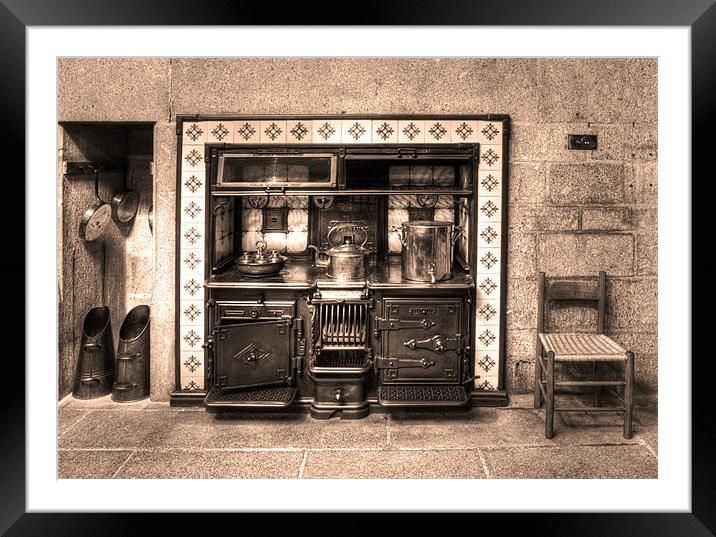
95, 219
125, 205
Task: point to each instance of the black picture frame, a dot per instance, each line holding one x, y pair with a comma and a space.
699, 15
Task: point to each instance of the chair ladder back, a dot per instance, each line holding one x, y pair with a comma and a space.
572, 289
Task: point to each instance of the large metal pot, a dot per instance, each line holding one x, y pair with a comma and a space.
428, 250
346, 262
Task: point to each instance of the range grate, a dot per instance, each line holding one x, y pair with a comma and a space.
343, 324
271, 394
422, 394
341, 359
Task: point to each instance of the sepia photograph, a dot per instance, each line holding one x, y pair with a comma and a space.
357, 268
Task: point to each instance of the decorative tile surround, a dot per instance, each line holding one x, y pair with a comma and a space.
193, 220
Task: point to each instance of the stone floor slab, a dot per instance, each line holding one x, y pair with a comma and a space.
90, 464
296, 430
575, 462
67, 417
175, 464
114, 430
394, 464
651, 439
490, 427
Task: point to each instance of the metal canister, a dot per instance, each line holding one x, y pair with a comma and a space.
428, 250
95, 365
131, 382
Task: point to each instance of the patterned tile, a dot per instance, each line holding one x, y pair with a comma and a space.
297, 202
192, 158
488, 260
193, 184
191, 235
191, 312
489, 132
401, 201
327, 131
489, 183
411, 131
297, 220
488, 286
445, 202
192, 383
384, 131
191, 338
463, 131
490, 157
192, 210
191, 363
275, 241
396, 217
488, 311
488, 234
246, 131
220, 132
444, 215
487, 383
487, 363
249, 240
272, 132
437, 131
251, 219
487, 338
489, 209
299, 131
356, 131
192, 262
193, 133
296, 241
191, 287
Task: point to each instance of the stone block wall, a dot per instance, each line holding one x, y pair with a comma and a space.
569, 211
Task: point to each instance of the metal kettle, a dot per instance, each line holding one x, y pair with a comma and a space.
346, 261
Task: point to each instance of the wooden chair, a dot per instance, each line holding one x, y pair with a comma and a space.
578, 347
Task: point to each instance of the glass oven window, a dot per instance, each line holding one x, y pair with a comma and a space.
277, 170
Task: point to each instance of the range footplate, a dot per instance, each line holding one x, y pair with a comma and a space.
271, 396
422, 395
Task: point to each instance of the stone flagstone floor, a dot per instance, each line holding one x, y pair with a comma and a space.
103, 439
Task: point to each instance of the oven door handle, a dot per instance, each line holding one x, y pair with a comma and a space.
403, 363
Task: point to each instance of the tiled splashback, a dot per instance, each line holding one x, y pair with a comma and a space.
490, 218
294, 241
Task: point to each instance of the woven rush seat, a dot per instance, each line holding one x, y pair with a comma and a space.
582, 347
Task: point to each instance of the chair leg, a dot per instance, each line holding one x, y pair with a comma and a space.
628, 394
538, 380
549, 407
597, 389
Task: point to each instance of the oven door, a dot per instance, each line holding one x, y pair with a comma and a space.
422, 341
254, 354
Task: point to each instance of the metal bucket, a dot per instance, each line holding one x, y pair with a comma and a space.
132, 363
427, 249
95, 364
